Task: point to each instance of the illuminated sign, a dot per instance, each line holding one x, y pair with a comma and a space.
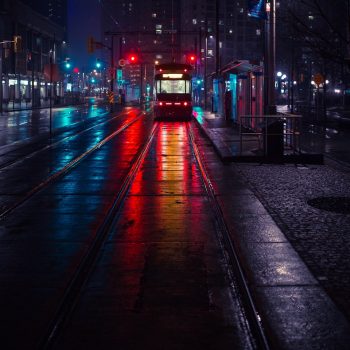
172, 76
257, 9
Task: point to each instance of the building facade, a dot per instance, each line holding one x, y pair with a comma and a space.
23, 78
163, 30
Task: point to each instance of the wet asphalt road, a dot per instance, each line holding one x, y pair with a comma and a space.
22, 125
160, 280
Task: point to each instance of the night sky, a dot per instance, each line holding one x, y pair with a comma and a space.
84, 19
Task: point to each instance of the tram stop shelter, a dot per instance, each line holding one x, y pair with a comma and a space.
241, 130
238, 90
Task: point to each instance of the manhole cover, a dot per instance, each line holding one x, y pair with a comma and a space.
335, 204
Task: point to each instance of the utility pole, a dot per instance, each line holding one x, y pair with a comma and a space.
217, 43
270, 58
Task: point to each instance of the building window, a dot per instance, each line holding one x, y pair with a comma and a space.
158, 29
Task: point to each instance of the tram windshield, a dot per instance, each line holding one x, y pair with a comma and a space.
173, 86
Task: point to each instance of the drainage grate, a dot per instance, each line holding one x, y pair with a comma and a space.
335, 204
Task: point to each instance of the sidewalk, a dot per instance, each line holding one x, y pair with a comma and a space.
231, 147
291, 225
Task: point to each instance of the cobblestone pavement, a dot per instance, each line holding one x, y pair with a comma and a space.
322, 238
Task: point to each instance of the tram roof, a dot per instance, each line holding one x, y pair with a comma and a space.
174, 67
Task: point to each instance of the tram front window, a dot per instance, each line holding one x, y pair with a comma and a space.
173, 87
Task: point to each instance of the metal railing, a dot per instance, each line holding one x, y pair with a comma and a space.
275, 133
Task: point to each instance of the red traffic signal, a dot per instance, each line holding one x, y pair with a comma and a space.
192, 59
133, 59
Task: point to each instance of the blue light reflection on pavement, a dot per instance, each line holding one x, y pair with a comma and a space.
198, 113
21, 125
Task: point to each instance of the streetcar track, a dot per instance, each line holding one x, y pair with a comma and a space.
68, 167
231, 254
87, 263
46, 134
52, 145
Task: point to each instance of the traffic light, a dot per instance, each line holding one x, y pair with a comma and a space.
67, 63
98, 63
17, 43
133, 59
90, 44
192, 59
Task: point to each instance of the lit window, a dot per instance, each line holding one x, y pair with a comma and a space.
154, 15
158, 29
194, 21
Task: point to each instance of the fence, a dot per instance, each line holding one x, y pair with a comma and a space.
276, 133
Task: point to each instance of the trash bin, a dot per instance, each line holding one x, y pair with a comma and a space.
273, 137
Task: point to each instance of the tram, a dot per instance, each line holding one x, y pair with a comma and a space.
173, 91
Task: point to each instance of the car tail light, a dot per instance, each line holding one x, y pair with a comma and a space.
186, 103
160, 103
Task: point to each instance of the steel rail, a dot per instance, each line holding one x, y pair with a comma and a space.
52, 145
247, 299
82, 273
68, 167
